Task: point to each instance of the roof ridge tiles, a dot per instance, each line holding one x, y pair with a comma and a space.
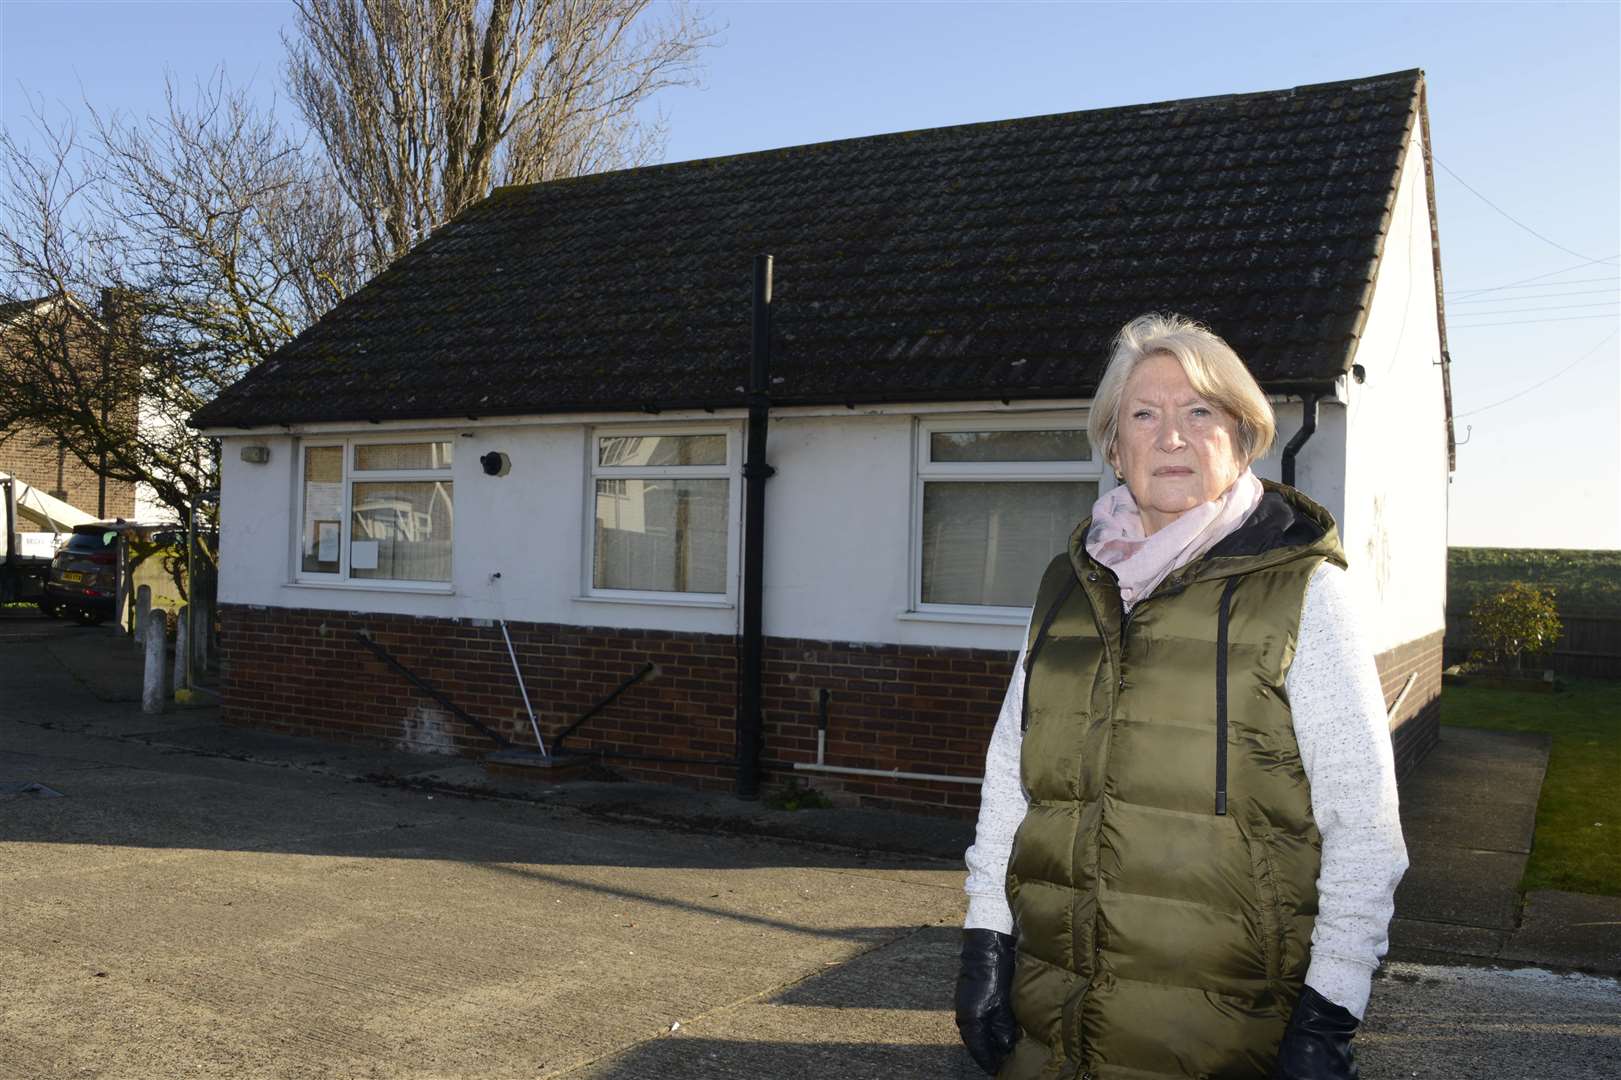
1394, 78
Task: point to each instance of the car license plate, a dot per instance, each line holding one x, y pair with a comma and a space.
72, 575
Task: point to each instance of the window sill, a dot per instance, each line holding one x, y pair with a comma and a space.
971, 618
658, 601
374, 586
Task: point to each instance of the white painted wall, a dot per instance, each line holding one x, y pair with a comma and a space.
527, 526
838, 533
1320, 464
154, 426
838, 537
1396, 480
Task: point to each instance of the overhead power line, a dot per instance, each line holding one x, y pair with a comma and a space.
1510, 216
1523, 310
1538, 385
1526, 322
1544, 285
1535, 296
1539, 277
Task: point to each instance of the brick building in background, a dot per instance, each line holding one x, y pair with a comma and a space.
538, 416
43, 461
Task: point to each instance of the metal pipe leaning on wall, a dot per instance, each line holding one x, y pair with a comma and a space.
649, 670
1395, 706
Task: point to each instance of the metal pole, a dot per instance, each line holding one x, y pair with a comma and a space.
528, 708
756, 472
197, 639
191, 589
11, 522
121, 593
182, 642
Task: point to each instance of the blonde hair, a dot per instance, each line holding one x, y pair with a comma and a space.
1212, 367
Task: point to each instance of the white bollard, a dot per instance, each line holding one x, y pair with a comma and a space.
182, 635
153, 692
143, 613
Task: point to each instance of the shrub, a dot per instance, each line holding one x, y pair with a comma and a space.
1515, 620
795, 795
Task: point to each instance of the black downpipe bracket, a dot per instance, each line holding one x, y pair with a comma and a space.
756, 472
1308, 426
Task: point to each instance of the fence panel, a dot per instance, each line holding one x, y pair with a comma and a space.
1590, 647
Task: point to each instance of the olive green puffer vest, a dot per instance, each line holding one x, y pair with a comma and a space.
1163, 882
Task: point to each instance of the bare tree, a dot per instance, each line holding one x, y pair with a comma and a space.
149, 264
424, 105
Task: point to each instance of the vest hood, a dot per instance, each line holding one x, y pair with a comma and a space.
1286, 525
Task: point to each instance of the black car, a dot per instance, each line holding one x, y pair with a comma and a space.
84, 575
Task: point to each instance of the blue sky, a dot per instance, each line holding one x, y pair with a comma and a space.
1523, 109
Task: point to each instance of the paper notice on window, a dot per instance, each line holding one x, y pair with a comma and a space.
363, 555
326, 541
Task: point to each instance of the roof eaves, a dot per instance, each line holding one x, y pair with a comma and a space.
231, 423
1365, 305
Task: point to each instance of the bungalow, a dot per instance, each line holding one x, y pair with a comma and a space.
536, 422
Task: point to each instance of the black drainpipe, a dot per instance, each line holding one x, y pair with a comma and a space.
1307, 427
755, 473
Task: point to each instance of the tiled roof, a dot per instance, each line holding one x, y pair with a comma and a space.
11, 309
979, 262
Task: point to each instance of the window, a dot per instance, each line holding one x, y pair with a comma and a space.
376, 511
662, 508
996, 500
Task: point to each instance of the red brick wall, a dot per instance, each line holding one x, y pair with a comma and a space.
31, 453
912, 708
1417, 727
31, 456
916, 709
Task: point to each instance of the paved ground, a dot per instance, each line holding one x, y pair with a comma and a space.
1469, 816
207, 902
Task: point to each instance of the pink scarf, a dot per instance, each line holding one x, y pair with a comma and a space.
1141, 562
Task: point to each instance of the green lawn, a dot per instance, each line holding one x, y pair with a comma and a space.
1578, 841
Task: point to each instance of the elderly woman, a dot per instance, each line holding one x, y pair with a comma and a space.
1188, 841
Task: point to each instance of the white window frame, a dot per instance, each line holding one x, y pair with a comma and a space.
350, 476
732, 472
926, 471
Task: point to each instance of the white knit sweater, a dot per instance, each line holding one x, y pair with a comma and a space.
1344, 735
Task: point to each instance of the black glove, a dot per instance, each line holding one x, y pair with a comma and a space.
1317, 1043
984, 998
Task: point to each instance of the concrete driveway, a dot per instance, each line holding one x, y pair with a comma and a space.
186, 914
173, 915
